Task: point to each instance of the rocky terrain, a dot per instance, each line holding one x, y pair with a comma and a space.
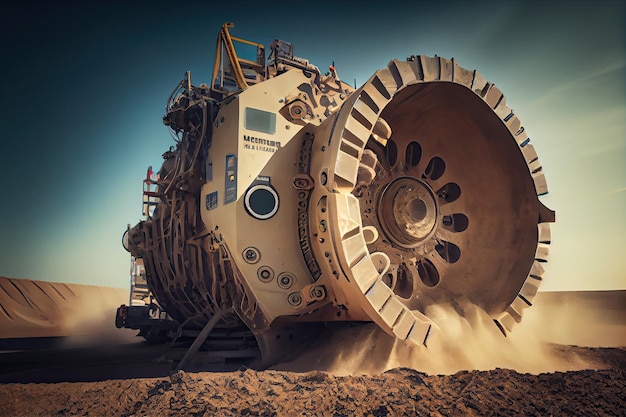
397, 392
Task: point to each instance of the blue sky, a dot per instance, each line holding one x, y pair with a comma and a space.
84, 89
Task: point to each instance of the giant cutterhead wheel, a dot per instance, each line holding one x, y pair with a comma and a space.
430, 188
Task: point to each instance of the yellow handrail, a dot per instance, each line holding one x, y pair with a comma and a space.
224, 36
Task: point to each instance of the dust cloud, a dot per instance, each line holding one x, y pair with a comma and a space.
473, 342
92, 320
80, 315
83, 316
467, 341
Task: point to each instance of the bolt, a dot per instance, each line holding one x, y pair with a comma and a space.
317, 292
294, 299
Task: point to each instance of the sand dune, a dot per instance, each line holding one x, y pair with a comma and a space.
49, 309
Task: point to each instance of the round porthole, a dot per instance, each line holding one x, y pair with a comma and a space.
261, 201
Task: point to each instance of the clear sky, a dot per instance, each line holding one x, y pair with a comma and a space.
84, 86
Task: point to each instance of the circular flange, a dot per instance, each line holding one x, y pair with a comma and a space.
285, 280
407, 211
251, 255
265, 273
294, 299
297, 110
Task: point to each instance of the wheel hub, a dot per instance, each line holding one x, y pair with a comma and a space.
408, 212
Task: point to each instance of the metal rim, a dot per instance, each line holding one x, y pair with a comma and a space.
256, 201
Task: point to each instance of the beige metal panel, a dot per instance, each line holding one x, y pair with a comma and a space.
542, 253
517, 308
430, 68
347, 167
541, 184
403, 72
354, 249
544, 232
404, 324
530, 155
387, 82
479, 83
446, 69
419, 332
378, 295
537, 270
365, 273
520, 137
267, 96
502, 110
377, 96
514, 124
390, 312
493, 96
359, 133
365, 110
348, 219
506, 321
463, 76
224, 142
529, 290
265, 157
